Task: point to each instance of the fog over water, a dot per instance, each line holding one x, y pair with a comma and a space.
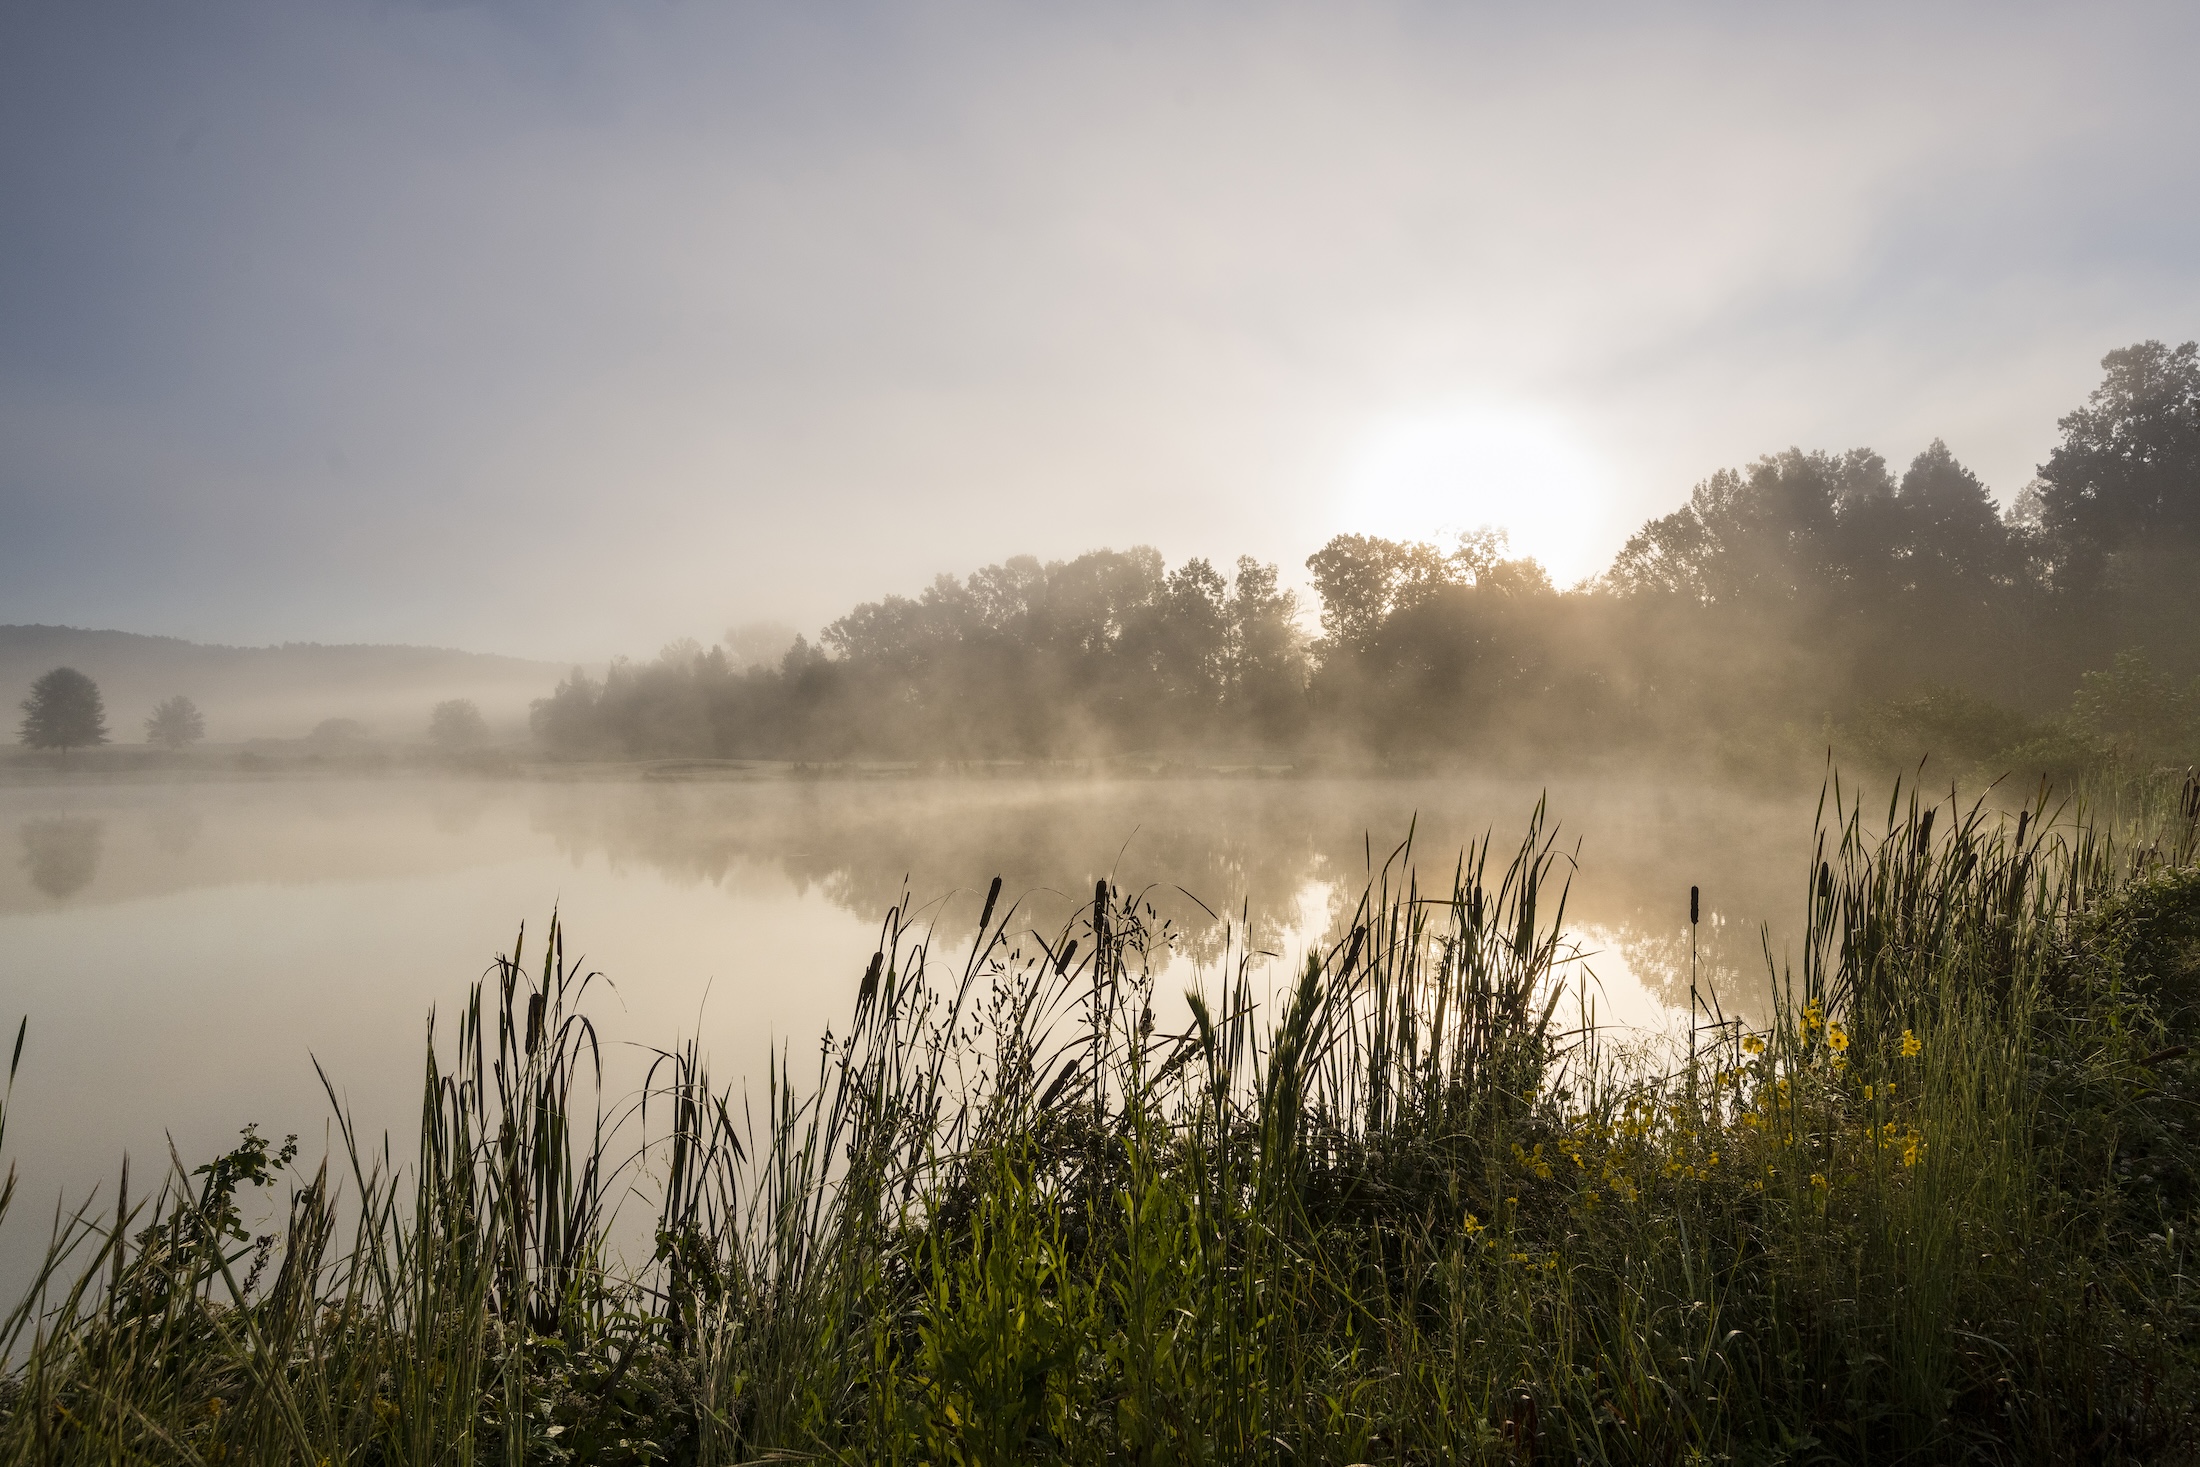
185, 952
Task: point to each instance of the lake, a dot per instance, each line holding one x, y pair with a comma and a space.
184, 952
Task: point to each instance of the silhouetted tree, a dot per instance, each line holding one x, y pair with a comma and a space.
457, 724
1268, 666
64, 711
1790, 528
2128, 467
568, 723
1802, 588
1949, 529
175, 723
2118, 508
1363, 579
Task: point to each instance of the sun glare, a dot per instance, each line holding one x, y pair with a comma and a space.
1431, 474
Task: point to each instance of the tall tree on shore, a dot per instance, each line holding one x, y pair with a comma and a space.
64, 711
2127, 472
175, 723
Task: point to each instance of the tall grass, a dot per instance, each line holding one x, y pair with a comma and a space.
1403, 1209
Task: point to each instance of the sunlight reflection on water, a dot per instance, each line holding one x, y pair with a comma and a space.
184, 952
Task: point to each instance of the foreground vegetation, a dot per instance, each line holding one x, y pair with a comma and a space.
1406, 1209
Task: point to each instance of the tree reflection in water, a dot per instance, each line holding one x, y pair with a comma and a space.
1243, 849
62, 853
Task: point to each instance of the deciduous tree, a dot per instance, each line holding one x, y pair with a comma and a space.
457, 724
64, 711
175, 723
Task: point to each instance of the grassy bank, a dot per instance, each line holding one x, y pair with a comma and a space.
1406, 1208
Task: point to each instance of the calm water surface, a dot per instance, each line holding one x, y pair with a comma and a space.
184, 952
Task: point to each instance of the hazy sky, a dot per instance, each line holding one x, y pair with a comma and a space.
566, 329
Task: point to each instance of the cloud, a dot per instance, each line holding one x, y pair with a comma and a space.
564, 329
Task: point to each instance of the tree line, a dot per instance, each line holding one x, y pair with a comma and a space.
66, 710
1806, 595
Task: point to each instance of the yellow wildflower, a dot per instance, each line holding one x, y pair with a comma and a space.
1818, 1179
1837, 1037
1813, 1016
1473, 1225
1867, 1092
1910, 1045
1752, 1045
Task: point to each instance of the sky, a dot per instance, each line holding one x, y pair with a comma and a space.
566, 329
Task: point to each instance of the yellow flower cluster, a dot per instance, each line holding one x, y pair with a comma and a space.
1532, 1160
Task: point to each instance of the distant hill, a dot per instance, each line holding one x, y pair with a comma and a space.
272, 692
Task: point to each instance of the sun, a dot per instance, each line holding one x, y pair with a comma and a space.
1429, 474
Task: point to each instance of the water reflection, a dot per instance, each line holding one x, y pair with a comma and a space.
1209, 853
1245, 851
143, 924
62, 854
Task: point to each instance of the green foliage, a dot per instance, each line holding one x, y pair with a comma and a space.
2124, 722
1953, 725
1939, 1209
2142, 718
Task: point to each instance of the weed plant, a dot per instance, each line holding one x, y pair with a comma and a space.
1941, 1208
